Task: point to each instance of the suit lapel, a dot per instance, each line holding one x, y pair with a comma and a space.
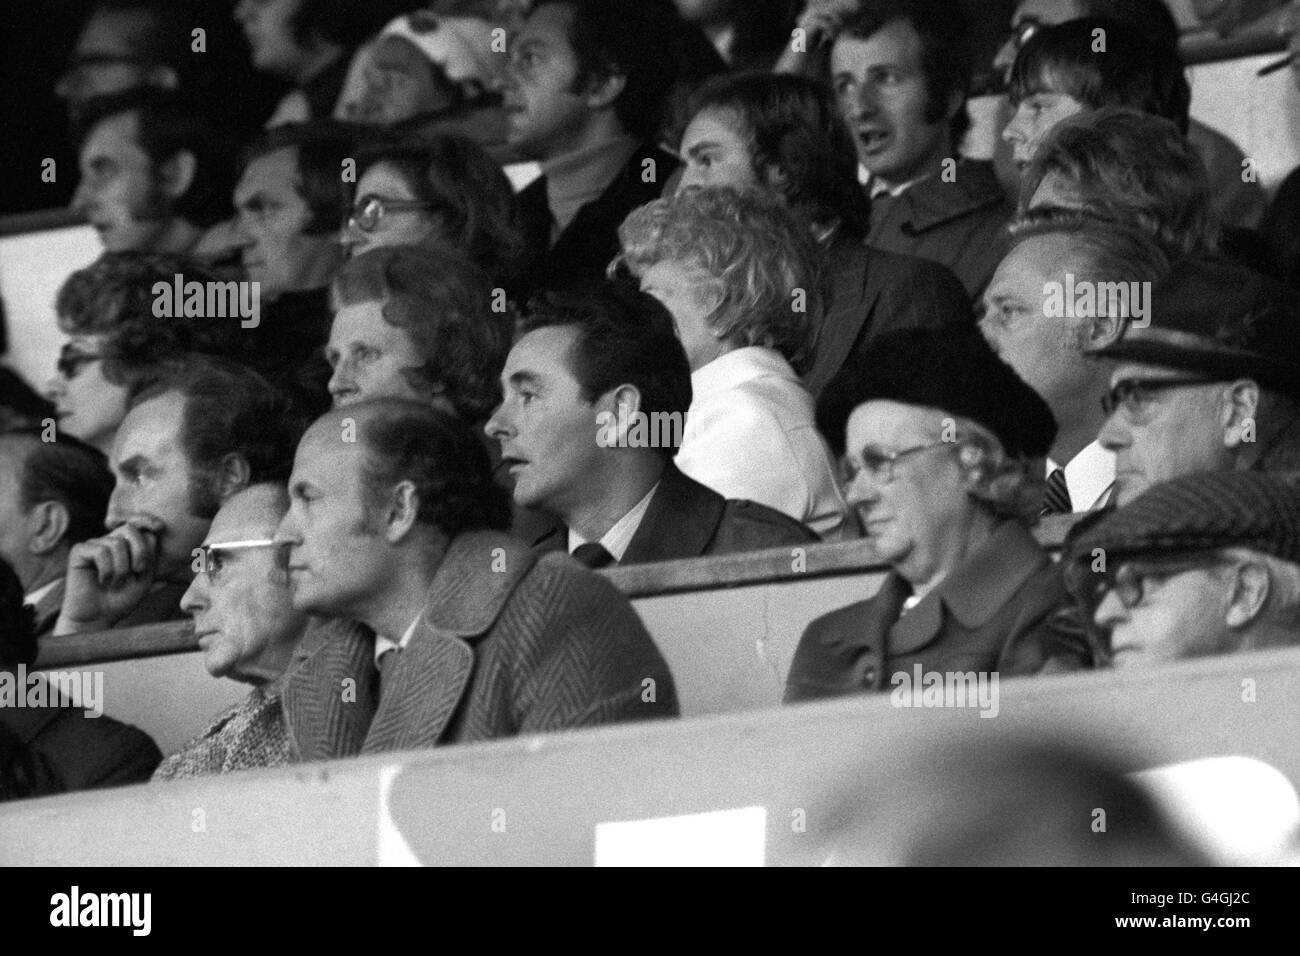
326, 716
681, 520
852, 298
423, 688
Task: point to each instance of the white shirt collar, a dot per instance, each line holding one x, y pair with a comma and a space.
876, 187
1089, 477
383, 645
35, 597
619, 537
737, 367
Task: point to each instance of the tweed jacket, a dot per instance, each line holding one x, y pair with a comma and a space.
509, 643
961, 224
993, 613
685, 519
870, 292
249, 735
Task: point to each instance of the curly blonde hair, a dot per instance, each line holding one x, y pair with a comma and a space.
764, 280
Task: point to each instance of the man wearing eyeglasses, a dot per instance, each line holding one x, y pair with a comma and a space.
1201, 565
247, 628
1211, 383
943, 447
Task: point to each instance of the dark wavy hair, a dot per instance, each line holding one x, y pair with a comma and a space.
629, 38
167, 126
444, 303
320, 147
229, 409
67, 471
113, 297
464, 184
946, 58
1132, 167
624, 337
792, 123
1132, 70
406, 440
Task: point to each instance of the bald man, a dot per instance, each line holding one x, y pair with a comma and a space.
394, 521
247, 627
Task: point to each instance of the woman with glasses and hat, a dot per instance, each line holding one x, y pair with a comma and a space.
942, 449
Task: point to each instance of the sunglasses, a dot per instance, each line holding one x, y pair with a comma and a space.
1135, 395
369, 211
213, 556
71, 362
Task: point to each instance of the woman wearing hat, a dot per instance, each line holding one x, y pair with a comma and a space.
942, 449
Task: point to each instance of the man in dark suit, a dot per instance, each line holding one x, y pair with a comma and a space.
782, 135
53, 494
595, 396
585, 97
62, 744
943, 446
395, 523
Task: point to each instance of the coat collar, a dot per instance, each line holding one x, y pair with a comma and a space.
976, 590
473, 583
682, 519
933, 202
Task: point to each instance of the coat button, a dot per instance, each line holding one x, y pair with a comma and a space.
870, 675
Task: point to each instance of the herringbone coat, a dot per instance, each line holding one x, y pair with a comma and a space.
509, 643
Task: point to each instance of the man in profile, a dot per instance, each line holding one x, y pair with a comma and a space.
595, 397
204, 430
394, 522
53, 495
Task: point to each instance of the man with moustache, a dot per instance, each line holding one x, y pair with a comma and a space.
394, 522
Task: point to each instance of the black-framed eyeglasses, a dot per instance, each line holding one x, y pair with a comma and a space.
369, 211
71, 362
213, 556
1131, 581
879, 462
1134, 395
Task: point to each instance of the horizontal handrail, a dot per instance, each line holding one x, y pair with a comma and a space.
636, 581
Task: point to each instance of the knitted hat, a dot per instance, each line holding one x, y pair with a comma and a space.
1220, 319
953, 371
1202, 512
459, 46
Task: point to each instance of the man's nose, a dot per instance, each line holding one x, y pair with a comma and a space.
341, 382
497, 426
195, 598
81, 198
119, 506
1113, 435
866, 103
1014, 132
286, 532
862, 490
1110, 611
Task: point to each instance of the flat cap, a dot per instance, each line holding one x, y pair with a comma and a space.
1202, 512
954, 371
1220, 319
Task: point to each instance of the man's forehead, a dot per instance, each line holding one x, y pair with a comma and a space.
332, 440
277, 169
548, 24
896, 43
542, 353
151, 428
114, 133
249, 515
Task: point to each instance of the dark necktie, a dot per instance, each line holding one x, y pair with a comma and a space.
1056, 499
593, 555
